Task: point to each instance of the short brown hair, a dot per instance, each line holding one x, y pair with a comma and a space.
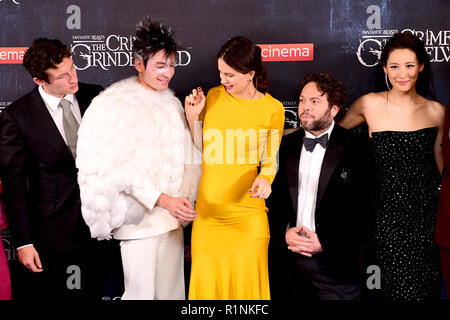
44, 54
326, 83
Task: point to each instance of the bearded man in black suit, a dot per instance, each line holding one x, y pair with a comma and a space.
320, 205
38, 135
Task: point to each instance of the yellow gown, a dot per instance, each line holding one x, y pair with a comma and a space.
230, 237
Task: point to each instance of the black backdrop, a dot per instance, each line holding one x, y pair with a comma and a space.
346, 36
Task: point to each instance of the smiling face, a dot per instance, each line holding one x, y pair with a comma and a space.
402, 68
315, 113
62, 79
158, 72
239, 84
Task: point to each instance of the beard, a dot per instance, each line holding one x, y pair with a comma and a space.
318, 124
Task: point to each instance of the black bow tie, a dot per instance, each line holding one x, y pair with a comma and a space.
310, 143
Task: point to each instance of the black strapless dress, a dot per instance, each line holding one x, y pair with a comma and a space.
407, 199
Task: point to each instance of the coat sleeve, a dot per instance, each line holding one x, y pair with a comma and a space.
192, 169
13, 159
114, 189
269, 164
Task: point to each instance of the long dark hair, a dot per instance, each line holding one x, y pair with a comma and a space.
407, 40
244, 56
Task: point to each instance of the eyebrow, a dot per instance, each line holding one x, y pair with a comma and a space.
314, 97
405, 62
71, 66
165, 62
60, 75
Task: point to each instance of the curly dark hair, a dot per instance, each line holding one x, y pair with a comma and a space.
44, 54
151, 37
407, 40
327, 84
244, 56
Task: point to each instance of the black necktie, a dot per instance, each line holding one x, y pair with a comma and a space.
310, 143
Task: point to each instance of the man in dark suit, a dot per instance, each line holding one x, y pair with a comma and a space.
442, 235
38, 136
319, 206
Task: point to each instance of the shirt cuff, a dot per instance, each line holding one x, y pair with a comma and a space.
21, 247
147, 196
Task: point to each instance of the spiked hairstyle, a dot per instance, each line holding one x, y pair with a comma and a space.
151, 37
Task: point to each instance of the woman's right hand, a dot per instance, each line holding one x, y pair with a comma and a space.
194, 104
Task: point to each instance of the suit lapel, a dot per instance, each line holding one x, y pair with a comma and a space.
293, 160
332, 156
43, 123
83, 99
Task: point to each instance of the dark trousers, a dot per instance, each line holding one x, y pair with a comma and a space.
80, 273
311, 280
445, 263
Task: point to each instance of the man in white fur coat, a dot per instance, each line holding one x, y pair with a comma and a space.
137, 177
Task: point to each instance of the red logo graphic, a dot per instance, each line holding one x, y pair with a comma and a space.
12, 55
287, 52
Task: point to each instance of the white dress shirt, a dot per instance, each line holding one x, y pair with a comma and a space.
308, 181
52, 102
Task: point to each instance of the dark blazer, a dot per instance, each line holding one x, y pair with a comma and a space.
343, 204
442, 235
39, 176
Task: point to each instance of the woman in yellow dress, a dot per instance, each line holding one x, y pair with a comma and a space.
242, 129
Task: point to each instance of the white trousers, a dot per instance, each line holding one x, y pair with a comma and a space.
154, 267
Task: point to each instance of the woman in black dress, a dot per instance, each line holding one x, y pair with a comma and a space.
405, 125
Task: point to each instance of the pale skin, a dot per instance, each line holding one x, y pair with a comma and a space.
401, 108
313, 107
303, 241
29, 257
62, 80
240, 85
156, 75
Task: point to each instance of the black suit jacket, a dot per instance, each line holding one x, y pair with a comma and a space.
343, 204
39, 175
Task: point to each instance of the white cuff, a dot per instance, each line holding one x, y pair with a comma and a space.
146, 196
27, 245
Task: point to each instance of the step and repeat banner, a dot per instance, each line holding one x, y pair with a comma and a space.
342, 37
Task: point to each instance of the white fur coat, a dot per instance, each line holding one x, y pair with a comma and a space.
133, 145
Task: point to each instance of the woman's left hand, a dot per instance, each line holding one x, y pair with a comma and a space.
260, 189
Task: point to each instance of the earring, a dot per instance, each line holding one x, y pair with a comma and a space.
387, 81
